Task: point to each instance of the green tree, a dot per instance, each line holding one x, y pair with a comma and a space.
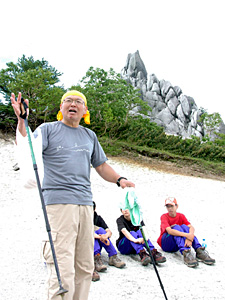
36, 80
220, 140
8, 119
211, 123
110, 100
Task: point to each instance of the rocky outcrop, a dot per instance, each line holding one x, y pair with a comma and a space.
170, 108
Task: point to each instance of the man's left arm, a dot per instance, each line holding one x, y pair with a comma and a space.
101, 223
190, 237
106, 235
191, 232
110, 175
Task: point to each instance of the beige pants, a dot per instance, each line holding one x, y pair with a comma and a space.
73, 238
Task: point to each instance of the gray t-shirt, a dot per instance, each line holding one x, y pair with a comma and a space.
67, 157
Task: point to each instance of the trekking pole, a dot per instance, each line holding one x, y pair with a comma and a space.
23, 115
153, 261
136, 218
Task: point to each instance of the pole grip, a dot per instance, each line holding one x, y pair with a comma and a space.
23, 108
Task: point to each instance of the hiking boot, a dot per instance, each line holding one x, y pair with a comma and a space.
116, 262
145, 259
95, 276
159, 259
189, 259
99, 267
202, 255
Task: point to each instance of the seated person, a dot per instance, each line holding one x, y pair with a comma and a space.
131, 241
102, 239
178, 234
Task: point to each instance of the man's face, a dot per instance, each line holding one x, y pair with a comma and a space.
172, 209
126, 213
73, 108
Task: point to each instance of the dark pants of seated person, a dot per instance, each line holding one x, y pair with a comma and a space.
125, 246
171, 243
110, 249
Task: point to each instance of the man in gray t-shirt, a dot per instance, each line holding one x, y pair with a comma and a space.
68, 151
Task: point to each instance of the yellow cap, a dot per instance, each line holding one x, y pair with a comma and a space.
79, 94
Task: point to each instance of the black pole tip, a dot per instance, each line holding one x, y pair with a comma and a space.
61, 291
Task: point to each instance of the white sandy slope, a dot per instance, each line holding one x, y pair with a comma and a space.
22, 227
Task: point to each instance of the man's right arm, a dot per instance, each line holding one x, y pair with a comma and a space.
175, 232
131, 238
21, 128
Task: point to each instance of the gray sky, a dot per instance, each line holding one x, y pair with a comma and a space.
179, 41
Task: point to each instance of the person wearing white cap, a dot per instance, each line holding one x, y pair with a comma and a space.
177, 233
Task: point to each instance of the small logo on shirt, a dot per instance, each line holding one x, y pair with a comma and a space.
75, 148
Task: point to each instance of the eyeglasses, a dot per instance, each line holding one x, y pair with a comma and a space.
77, 101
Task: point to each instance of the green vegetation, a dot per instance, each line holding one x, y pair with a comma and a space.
36, 80
211, 122
144, 153
110, 100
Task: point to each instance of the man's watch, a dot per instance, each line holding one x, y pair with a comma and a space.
118, 180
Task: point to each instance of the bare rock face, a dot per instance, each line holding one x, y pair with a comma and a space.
135, 68
170, 108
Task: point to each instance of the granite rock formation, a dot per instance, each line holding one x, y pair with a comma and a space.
170, 108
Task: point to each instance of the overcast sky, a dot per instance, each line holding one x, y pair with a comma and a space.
179, 41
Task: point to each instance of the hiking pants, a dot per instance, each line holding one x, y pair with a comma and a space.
171, 243
125, 246
73, 237
110, 249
